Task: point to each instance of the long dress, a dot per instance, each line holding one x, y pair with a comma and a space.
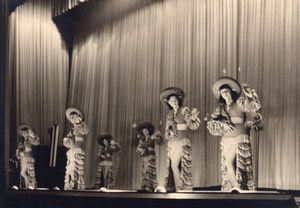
105, 161
74, 175
27, 161
146, 149
180, 123
239, 138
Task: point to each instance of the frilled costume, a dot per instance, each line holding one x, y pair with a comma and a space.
105, 161
180, 125
27, 161
146, 149
236, 116
74, 176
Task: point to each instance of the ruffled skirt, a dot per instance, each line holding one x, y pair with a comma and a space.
28, 162
244, 168
110, 177
185, 166
74, 177
149, 181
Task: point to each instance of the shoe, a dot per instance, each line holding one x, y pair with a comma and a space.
160, 189
236, 190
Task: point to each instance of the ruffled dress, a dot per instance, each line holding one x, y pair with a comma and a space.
236, 116
180, 123
105, 161
74, 175
146, 149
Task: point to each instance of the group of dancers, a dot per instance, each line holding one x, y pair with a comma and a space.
237, 113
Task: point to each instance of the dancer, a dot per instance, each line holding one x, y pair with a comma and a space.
74, 176
179, 121
229, 121
148, 137
24, 154
105, 171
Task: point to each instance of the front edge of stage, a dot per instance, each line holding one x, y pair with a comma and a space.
81, 199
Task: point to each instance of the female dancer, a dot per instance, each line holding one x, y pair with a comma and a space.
24, 154
148, 137
229, 121
105, 172
74, 177
179, 120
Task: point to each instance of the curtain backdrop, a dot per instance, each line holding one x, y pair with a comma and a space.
37, 72
127, 51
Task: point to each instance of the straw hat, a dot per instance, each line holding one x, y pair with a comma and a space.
74, 110
235, 86
145, 125
22, 127
171, 91
104, 136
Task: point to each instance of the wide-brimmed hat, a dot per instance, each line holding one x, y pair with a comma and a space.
171, 91
145, 125
104, 136
75, 110
235, 86
22, 126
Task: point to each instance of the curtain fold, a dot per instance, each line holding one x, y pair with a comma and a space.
269, 44
37, 75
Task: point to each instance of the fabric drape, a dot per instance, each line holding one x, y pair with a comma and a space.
37, 72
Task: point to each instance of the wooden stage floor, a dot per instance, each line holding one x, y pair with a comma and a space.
130, 198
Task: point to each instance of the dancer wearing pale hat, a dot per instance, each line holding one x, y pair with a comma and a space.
25, 155
74, 176
229, 121
178, 123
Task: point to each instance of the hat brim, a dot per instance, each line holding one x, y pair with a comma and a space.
102, 137
145, 125
171, 91
235, 86
23, 126
76, 110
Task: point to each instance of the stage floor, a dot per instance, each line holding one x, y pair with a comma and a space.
134, 198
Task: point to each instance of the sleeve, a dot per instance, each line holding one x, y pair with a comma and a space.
83, 129
115, 146
35, 140
191, 118
140, 148
157, 137
170, 126
250, 102
68, 141
256, 122
215, 125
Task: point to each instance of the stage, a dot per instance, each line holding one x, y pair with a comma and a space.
132, 198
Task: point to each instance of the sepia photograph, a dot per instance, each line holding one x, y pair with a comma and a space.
150, 103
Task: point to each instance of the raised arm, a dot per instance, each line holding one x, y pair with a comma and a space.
191, 118
218, 124
249, 102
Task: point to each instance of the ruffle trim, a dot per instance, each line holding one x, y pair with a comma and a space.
185, 181
149, 181
74, 177
29, 162
99, 180
244, 169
